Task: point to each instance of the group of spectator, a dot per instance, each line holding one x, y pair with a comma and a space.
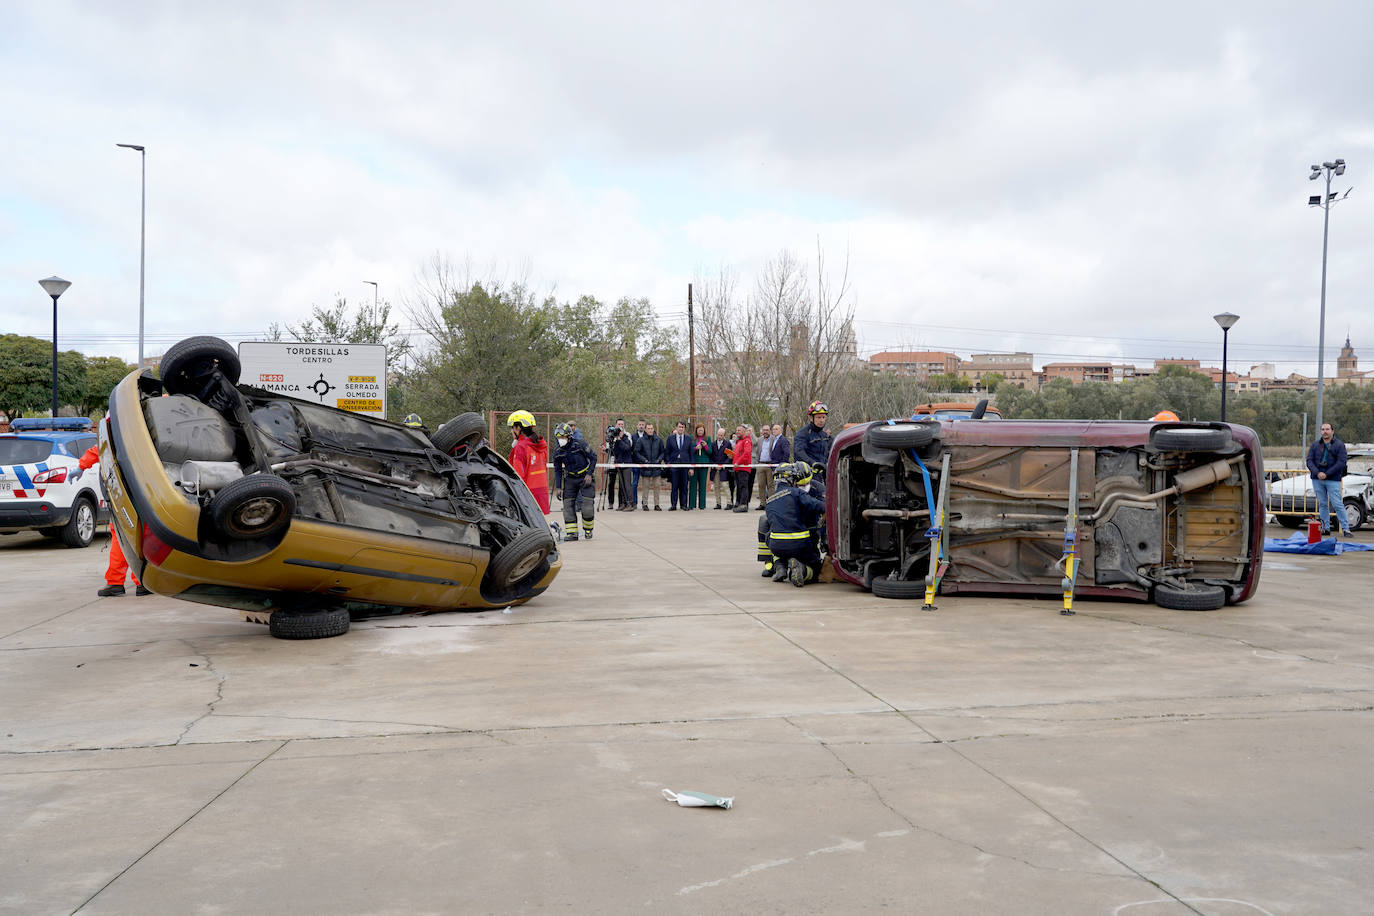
736, 468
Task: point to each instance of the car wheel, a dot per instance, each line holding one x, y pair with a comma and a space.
1191, 598
80, 528
902, 435
884, 587
1292, 522
187, 362
464, 429
1190, 439
1354, 514
519, 564
314, 624
253, 507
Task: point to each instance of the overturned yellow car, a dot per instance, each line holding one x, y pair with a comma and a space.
305, 516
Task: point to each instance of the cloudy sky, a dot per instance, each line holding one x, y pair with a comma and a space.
1073, 179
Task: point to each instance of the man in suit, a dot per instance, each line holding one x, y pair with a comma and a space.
780, 453
679, 452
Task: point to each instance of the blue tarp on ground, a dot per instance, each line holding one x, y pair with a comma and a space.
1297, 543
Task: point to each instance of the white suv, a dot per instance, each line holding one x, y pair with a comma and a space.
42, 486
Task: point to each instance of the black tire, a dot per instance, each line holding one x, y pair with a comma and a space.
1190, 439
253, 507
884, 587
80, 528
1354, 514
979, 410
1291, 522
185, 366
320, 624
1192, 598
518, 565
464, 429
902, 435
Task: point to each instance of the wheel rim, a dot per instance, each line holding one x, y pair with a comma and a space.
525, 567
1352, 516
85, 522
257, 514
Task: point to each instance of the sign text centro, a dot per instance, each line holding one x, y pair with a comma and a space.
348, 376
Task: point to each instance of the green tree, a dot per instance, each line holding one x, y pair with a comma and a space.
948, 381
361, 323
991, 380
26, 376
103, 373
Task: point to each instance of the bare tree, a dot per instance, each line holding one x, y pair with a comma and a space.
772, 354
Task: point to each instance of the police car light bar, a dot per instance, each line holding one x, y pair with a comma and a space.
28, 424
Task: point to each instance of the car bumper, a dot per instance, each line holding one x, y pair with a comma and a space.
33, 514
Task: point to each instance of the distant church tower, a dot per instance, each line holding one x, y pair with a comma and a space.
1347, 362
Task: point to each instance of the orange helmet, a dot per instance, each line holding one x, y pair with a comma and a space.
1165, 416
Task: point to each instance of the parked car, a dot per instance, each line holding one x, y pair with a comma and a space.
1169, 512
1292, 500
301, 515
979, 410
42, 486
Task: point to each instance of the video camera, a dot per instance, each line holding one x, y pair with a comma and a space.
613, 433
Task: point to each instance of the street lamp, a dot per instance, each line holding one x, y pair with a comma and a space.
1325, 201
54, 286
1225, 319
142, 223
373, 284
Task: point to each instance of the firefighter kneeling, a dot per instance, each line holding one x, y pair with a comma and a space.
573, 464
792, 521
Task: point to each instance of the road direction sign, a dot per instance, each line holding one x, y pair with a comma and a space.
345, 375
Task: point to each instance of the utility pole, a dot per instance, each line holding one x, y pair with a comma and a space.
691, 358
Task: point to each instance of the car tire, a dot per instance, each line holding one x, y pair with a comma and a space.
1291, 522
1354, 514
320, 624
1190, 439
518, 565
883, 587
1194, 597
80, 528
253, 507
902, 435
187, 362
465, 429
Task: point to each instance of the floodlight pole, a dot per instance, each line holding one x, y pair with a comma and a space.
1336, 167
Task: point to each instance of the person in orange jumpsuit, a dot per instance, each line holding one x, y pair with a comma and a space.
118, 567
530, 456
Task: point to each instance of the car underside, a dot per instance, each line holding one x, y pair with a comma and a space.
1048, 507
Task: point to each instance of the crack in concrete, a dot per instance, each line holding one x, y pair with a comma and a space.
218, 795
922, 828
219, 690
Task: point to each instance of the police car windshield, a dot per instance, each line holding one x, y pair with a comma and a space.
23, 451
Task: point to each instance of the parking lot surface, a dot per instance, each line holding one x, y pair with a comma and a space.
991, 756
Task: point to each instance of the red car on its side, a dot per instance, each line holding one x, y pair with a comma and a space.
1169, 512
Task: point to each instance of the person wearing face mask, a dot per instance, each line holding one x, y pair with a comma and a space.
793, 516
574, 479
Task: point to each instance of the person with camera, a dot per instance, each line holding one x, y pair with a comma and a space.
574, 471
649, 461
623, 454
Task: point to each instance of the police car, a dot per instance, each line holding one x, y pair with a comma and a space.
42, 486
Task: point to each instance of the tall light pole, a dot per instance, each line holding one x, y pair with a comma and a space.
142, 224
1225, 319
1325, 201
373, 284
54, 286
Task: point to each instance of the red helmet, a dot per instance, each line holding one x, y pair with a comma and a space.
817, 407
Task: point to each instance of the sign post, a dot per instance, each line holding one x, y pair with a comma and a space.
348, 376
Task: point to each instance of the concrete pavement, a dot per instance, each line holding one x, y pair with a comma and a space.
989, 757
